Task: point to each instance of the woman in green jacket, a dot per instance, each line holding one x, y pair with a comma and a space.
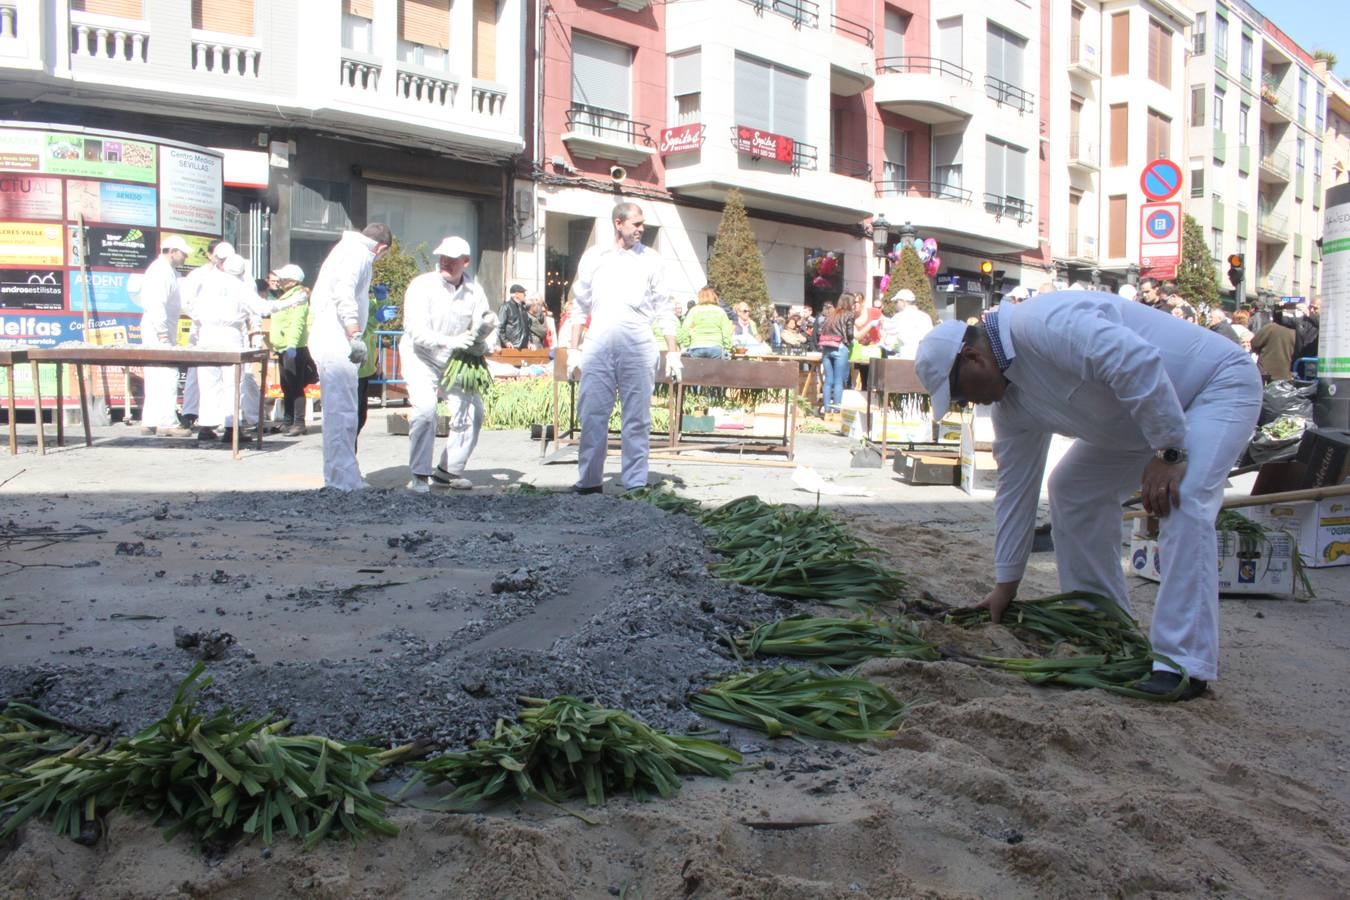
705, 331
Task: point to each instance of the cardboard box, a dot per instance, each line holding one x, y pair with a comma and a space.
698, 424
896, 430
979, 471
1325, 452
1267, 568
949, 431
928, 467
397, 423
1320, 528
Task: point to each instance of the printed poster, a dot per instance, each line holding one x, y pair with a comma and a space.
33, 289
114, 248
190, 190
29, 197
113, 292
196, 243
112, 204
32, 244
20, 151
98, 157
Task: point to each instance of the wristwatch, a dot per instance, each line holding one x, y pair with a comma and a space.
1172, 455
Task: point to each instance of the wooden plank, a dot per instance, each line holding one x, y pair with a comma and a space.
1331, 490
894, 376
145, 356
740, 374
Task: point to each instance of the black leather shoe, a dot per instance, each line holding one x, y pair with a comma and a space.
1164, 683
598, 489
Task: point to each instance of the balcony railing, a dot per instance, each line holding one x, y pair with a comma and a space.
1276, 163
1272, 224
608, 124
802, 13
1004, 207
852, 168
1007, 94
1083, 56
93, 39
359, 73
424, 87
926, 65
221, 58
9, 21
931, 190
1082, 151
850, 27
1198, 44
1271, 282
489, 100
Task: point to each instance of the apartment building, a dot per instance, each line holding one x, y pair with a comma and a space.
1257, 119
331, 113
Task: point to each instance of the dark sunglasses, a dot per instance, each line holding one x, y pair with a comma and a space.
954, 379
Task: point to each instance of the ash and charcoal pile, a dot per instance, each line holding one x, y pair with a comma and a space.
388, 617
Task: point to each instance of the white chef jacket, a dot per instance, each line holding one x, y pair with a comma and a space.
911, 324
340, 293
1089, 365
159, 301
434, 310
624, 291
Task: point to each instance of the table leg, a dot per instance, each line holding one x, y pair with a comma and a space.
677, 414
84, 405
13, 426
262, 399
126, 394
792, 424
234, 434
37, 410
60, 409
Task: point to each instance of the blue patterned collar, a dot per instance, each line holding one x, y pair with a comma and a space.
990, 322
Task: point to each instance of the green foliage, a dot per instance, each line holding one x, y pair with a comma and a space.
908, 273
394, 270
1327, 55
1196, 279
735, 269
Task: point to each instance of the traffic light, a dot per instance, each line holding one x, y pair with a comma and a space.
987, 275
1236, 273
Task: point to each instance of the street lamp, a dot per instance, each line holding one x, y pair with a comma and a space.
881, 235
1096, 278
1132, 274
908, 232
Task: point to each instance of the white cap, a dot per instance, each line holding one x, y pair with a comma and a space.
234, 265
453, 247
1127, 291
174, 242
1019, 293
291, 272
933, 363
905, 294
224, 250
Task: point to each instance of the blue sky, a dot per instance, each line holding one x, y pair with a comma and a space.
1315, 25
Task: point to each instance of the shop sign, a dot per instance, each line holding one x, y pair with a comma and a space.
764, 144
111, 204
113, 292
31, 244
682, 139
48, 331
29, 197
190, 190
33, 288
59, 153
115, 248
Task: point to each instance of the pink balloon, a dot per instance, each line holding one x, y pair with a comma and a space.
885, 282
820, 282
930, 268
937, 261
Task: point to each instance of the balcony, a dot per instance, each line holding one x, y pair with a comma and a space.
801, 13
1079, 247
1271, 283
1271, 228
220, 54
1276, 105
595, 133
1274, 167
854, 30
931, 190
1083, 153
925, 89
1083, 61
1003, 207
948, 212
1005, 93
850, 168
108, 39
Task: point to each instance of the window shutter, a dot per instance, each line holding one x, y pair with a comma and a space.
994, 167
1120, 147
753, 93
789, 104
123, 9
1120, 44
601, 73
894, 146
425, 22
1164, 56
994, 52
364, 9
896, 25
1115, 244
1015, 173
223, 16
684, 74
485, 39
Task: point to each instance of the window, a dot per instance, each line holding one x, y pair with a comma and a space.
1216, 238
122, 9
1075, 32
1317, 166
1242, 245
1120, 44
223, 16
485, 39
1159, 53
1005, 52
897, 23
1244, 114
1298, 153
1197, 105
601, 85
358, 25
424, 32
1075, 204
949, 42
1319, 111
1198, 34
770, 98
1302, 96
947, 165
1198, 182
1120, 140
1245, 64
1159, 135
1312, 277
1115, 235
1005, 172
1220, 36
422, 217
1218, 109
686, 87
893, 166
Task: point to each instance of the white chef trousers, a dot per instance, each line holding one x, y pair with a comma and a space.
622, 363
465, 411
338, 387
161, 390
192, 394
216, 383
1090, 483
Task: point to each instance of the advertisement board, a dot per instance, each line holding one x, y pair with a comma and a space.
764, 144
190, 189
111, 203
29, 196
31, 244
32, 289
112, 292
114, 248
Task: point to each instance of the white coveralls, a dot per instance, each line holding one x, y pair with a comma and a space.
159, 321
190, 288
222, 312
433, 311
339, 299
623, 292
1126, 380
911, 324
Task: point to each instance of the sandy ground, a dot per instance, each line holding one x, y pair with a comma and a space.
373, 614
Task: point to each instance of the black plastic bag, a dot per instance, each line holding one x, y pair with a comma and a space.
1264, 449
1286, 398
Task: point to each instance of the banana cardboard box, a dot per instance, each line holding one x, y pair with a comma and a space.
1321, 528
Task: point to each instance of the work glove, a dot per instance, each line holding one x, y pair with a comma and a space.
459, 342
357, 356
674, 366
574, 357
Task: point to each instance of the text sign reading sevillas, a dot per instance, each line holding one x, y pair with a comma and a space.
764, 144
681, 139
190, 190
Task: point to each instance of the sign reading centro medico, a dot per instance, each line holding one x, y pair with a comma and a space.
83, 212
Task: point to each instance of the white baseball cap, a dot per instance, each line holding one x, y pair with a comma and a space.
905, 294
174, 242
224, 250
933, 363
1127, 292
453, 247
235, 265
1019, 293
291, 272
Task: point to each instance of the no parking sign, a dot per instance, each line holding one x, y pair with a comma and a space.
1159, 239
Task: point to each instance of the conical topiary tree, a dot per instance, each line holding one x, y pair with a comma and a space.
735, 269
908, 273
1196, 279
